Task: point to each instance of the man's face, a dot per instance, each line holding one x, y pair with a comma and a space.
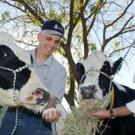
48, 43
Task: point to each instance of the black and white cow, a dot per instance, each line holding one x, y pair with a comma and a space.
19, 83
95, 74
19, 80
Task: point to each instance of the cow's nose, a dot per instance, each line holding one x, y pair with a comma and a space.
92, 88
88, 91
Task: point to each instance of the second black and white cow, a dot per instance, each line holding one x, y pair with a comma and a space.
96, 73
19, 83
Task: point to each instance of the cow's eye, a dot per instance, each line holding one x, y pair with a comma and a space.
5, 55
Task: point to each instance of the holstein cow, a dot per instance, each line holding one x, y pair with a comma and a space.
96, 74
19, 84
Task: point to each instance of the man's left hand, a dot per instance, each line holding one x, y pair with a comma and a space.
101, 114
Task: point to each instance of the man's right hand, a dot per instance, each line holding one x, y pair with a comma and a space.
51, 115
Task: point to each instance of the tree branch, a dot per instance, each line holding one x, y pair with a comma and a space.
81, 11
110, 55
12, 5
31, 10
122, 14
120, 32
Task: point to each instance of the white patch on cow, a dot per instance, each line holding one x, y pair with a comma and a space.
8, 40
6, 97
99, 93
94, 61
120, 87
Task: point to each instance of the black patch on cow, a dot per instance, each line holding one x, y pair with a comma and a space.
80, 72
117, 65
104, 82
123, 97
9, 60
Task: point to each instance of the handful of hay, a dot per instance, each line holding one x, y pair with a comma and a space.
77, 123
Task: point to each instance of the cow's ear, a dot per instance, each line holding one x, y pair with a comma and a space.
117, 65
80, 70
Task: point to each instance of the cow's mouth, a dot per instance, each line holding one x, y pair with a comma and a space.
41, 96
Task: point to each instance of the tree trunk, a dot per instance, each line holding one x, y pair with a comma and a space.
71, 94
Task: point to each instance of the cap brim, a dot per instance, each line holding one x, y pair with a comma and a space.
53, 32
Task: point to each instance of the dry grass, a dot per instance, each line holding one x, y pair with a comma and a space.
78, 123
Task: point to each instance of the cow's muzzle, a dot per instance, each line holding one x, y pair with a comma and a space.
87, 92
41, 95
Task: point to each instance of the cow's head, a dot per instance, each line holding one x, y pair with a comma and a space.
95, 74
28, 88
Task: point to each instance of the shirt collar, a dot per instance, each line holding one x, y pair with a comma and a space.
47, 62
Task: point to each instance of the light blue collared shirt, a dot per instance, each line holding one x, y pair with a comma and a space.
52, 74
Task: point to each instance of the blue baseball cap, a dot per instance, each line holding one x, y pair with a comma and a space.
53, 27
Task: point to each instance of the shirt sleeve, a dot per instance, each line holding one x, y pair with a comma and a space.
131, 106
57, 87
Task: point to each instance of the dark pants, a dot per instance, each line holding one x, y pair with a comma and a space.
28, 124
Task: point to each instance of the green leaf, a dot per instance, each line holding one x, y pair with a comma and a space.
92, 46
35, 21
5, 16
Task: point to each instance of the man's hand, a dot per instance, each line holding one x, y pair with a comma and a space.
101, 114
51, 115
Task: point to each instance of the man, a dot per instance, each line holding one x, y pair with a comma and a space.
126, 110
52, 75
